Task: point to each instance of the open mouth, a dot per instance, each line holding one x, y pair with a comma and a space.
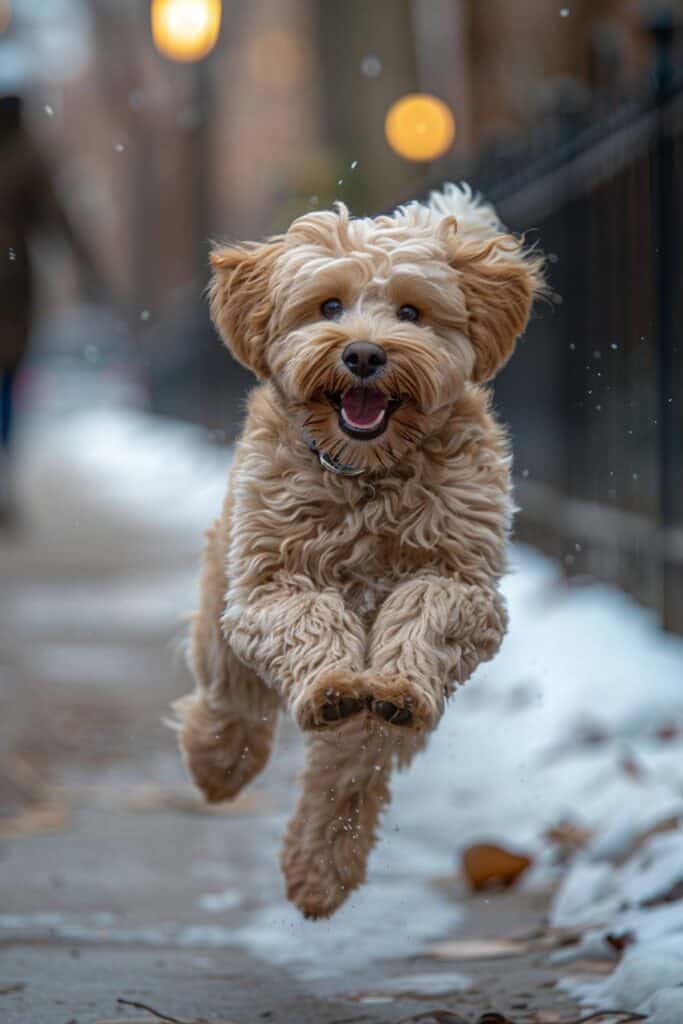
363, 411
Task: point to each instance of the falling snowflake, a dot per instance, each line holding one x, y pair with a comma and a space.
49, 110
564, 12
119, 147
145, 314
371, 66
12, 255
354, 164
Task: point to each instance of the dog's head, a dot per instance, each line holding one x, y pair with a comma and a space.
371, 328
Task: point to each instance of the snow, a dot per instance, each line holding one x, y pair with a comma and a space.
578, 718
641, 976
112, 475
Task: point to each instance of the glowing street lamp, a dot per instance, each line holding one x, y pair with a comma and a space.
420, 127
185, 30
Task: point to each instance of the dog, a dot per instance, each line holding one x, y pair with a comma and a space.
352, 576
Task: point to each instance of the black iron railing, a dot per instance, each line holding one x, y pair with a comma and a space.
594, 396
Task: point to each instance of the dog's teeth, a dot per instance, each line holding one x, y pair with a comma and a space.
363, 426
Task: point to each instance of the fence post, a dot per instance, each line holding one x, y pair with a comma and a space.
662, 28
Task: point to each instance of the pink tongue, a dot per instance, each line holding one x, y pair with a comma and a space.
362, 406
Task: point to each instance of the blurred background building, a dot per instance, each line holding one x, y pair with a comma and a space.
169, 123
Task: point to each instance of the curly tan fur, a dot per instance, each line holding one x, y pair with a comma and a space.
358, 602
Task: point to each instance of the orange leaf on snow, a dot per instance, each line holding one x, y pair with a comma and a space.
568, 836
487, 866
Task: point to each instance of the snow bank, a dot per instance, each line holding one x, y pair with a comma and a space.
112, 477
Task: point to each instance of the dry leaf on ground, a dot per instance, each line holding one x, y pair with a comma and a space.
485, 865
568, 837
620, 940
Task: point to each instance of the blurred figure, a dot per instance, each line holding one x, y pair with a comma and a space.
28, 204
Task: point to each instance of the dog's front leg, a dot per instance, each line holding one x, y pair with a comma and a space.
430, 634
304, 643
345, 786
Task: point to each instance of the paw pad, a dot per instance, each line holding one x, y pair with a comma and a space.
337, 707
392, 713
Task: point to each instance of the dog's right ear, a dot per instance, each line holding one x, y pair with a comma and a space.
240, 298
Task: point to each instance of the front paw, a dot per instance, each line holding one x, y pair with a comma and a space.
400, 702
332, 698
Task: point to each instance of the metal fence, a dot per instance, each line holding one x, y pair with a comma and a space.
593, 396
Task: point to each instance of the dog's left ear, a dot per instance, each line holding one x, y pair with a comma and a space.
241, 302
500, 280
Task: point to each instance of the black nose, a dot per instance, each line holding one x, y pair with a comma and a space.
363, 358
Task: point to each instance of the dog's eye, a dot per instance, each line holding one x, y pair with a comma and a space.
332, 309
409, 313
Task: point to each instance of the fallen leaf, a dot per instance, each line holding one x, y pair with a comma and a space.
485, 865
620, 941
547, 1017
568, 837
36, 820
477, 949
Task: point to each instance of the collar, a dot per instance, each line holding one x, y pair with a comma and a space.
327, 462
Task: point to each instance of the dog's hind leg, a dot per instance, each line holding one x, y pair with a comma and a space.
345, 786
226, 727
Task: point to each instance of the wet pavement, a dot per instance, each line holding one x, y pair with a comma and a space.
116, 882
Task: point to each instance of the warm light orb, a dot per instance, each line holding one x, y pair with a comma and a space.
185, 30
5, 14
420, 127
